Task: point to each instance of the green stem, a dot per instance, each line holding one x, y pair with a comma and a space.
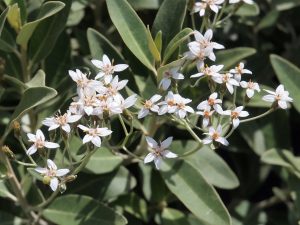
132, 154
190, 152
25, 164
49, 200
123, 124
190, 130
84, 162
257, 117
25, 150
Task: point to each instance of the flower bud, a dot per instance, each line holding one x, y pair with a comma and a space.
46, 180
7, 151
17, 128
62, 188
70, 178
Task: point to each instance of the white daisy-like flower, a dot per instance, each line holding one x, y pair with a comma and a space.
39, 141
88, 101
228, 80
128, 102
108, 107
181, 106
280, 96
250, 87
168, 76
168, 105
199, 55
61, 121
149, 105
51, 174
113, 88
215, 135
93, 134
207, 114
199, 7
212, 101
239, 70
82, 81
159, 151
107, 68
209, 71
245, 1
236, 114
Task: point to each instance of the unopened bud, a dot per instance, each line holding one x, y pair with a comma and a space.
7, 151
70, 178
46, 180
17, 128
62, 188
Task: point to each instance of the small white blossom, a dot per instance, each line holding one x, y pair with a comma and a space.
239, 70
228, 80
128, 102
61, 121
202, 6
39, 141
149, 105
207, 114
159, 151
211, 102
168, 76
168, 105
82, 81
215, 135
250, 87
235, 114
93, 134
88, 101
211, 71
107, 69
280, 96
52, 173
199, 7
181, 107
199, 55
237, 1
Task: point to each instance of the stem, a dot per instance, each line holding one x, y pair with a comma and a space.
25, 150
132, 154
123, 124
193, 21
84, 162
190, 130
49, 200
257, 117
25, 164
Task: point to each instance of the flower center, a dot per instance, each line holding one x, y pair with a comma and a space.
61, 120
211, 101
234, 115
39, 143
215, 136
108, 69
148, 104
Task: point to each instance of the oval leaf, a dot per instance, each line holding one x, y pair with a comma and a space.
79, 209
187, 183
131, 29
48, 9
289, 75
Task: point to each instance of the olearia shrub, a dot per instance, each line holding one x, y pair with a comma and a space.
130, 131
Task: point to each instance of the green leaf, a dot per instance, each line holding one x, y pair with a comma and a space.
289, 75
100, 45
231, 57
8, 219
158, 41
103, 161
38, 80
132, 30
213, 168
4, 192
171, 216
14, 17
248, 10
167, 21
176, 42
268, 21
76, 209
282, 158
47, 32
152, 46
187, 183
285, 5
3, 19
48, 9
144, 4
31, 98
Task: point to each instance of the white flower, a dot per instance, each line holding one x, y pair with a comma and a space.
39, 142
251, 87
239, 70
93, 134
207, 114
113, 88
202, 6
212, 71
204, 41
61, 121
149, 106
159, 151
280, 96
235, 114
199, 55
228, 80
199, 7
107, 106
211, 102
88, 101
237, 1
107, 69
168, 105
51, 174
82, 81
168, 76
128, 102
215, 135
181, 107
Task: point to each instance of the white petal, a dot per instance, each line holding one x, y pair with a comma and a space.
165, 83
207, 140
97, 63
66, 128
142, 113
155, 98
166, 143
73, 118
41, 170
222, 140
51, 164
87, 138
40, 135
84, 128
208, 35
282, 104
51, 144
54, 126
157, 162
244, 114
106, 60
54, 183
169, 154
250, 93
149, 158
31, 137
235, 122
96, 141
31, 150
151, 142
62, 172
269, 98
120, 67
